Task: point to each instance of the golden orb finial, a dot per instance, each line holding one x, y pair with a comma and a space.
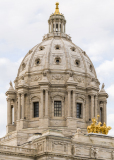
57, 8
96, 127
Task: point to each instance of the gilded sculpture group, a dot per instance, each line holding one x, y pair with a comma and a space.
96, 127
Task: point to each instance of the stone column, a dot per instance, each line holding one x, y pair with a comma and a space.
96, 107
41, 107
87, 108
64, 28
19, 106
74, 104
23, 106
105, 112
59, 26
9, 114
92, 106
54, 27
46, 103
51, 26
69, 103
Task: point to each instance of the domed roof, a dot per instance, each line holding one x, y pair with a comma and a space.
57, 53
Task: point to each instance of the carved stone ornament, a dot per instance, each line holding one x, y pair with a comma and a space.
57, 77
112, 156
36, 78
32, 97
94, 152
79, 79
57, 94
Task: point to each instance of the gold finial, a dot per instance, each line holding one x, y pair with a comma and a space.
57, 8
96, 127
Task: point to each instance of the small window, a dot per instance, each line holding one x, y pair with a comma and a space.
77, 62
73, 49
57, 60
23, 66
37, 61
36, 109
78, 110
91, 68
41, 48
57, 109
101, 114
12, 110
56, 27
57, 47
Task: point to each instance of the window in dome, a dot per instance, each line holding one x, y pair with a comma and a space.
36, 109
57, 60
37, 61
41, 48
56, 27
57, 109
73, 49
78, 110
84, 53
77, 62
57, 47
91, 68
23, 66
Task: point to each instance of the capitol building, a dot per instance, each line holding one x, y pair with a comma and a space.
55, 98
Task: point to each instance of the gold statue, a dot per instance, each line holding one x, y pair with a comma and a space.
96, 127
57, 8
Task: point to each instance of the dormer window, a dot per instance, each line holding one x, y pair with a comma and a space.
41, 48
57, 47
91, 68
73, 49
57, 60
23, 66
77, 62
37, 61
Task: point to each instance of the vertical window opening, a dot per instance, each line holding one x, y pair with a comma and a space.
12, 110
79, 110
57, 109
36, 109
101, 115
56, 27
21, 111
53, 27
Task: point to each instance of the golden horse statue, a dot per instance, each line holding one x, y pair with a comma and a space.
96, 127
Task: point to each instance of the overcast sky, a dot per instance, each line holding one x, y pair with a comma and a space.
23, 23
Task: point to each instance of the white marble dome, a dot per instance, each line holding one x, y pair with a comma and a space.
57, 54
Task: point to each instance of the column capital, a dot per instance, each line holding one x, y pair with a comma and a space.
68, 90
8, 99
92, 95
